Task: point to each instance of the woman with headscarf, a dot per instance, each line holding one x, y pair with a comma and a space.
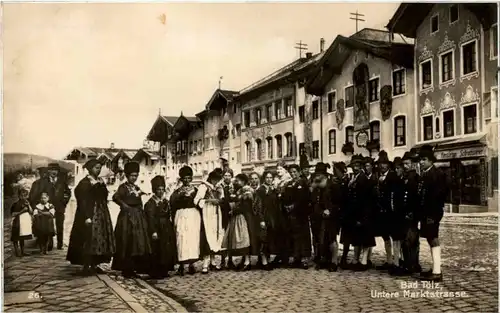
208, 199
133, 247
187, 222
241, 237
280, 180
92, 240
161, 230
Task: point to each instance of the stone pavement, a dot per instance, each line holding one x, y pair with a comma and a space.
470, 270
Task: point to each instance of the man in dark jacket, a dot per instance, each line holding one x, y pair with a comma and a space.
431, 190
384, 216
407, 206
372, 175
56, 187
325, 218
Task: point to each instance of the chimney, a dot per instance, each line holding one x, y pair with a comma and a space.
112, 146
309, 55
322, 45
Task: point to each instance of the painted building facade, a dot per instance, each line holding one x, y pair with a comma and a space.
221, 131
340, 125
455, 93
269, 116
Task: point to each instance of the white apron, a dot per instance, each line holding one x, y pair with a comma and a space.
187, 229
212, 220
25, 224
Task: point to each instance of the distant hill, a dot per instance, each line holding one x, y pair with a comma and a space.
14, 162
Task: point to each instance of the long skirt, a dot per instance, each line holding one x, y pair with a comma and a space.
133, 248
101, 245
237, 237
21, 227
187, 230
300, 235
212, 222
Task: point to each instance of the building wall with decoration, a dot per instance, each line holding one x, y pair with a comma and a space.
265, 142
456, 79
328, 120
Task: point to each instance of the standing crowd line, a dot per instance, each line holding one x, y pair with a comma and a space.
285, 218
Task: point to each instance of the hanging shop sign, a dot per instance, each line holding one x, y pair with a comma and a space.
461, 153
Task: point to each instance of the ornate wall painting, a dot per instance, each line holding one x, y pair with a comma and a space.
428, 107
448, 102
448, 46
469, 35
340, 113
361, 109
470, 96
386, 102
362, 138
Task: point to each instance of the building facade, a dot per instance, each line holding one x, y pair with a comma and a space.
455, 65
221, 131
360, 99
269, 116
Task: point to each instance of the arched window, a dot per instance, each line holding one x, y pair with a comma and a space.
289, 145
332, 141
258, 144
399, 131
279, 146
375, 130
349, 134
269, 147
248, 151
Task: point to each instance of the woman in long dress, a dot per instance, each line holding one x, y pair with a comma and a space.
21, 223
242, 237
161, 230
228, 194
133, 247
282, 251
208, 199
92, 240
266, 207
187, 222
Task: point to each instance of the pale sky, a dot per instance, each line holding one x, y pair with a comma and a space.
92, 74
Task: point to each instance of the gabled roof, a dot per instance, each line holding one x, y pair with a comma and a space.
409, 16
160, 127
226, 95
153, 155
185, 123
128, 153
291, 70
339, 51
170, 119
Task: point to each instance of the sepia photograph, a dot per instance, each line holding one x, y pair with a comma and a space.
250, 156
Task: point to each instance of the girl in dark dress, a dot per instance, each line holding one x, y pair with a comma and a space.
227, 186
92, 240
161, 230
43, 222
133, 247
242, 236
187, 222
267, 210
21, 224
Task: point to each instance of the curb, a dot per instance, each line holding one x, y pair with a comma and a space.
123, 294
171, 302
470, 224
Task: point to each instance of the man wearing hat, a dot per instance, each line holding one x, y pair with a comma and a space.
325, 222
371, 174
360, 215
59, 194
384, 216
431, 191
406, 203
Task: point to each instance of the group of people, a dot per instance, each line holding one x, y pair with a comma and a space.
283, 217
39, 211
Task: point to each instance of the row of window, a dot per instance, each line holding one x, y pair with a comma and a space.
281, 110
260, 154
398, 87
468, 65
432, 125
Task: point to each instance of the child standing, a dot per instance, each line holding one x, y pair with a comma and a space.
43, 224
21, 223
161, 230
